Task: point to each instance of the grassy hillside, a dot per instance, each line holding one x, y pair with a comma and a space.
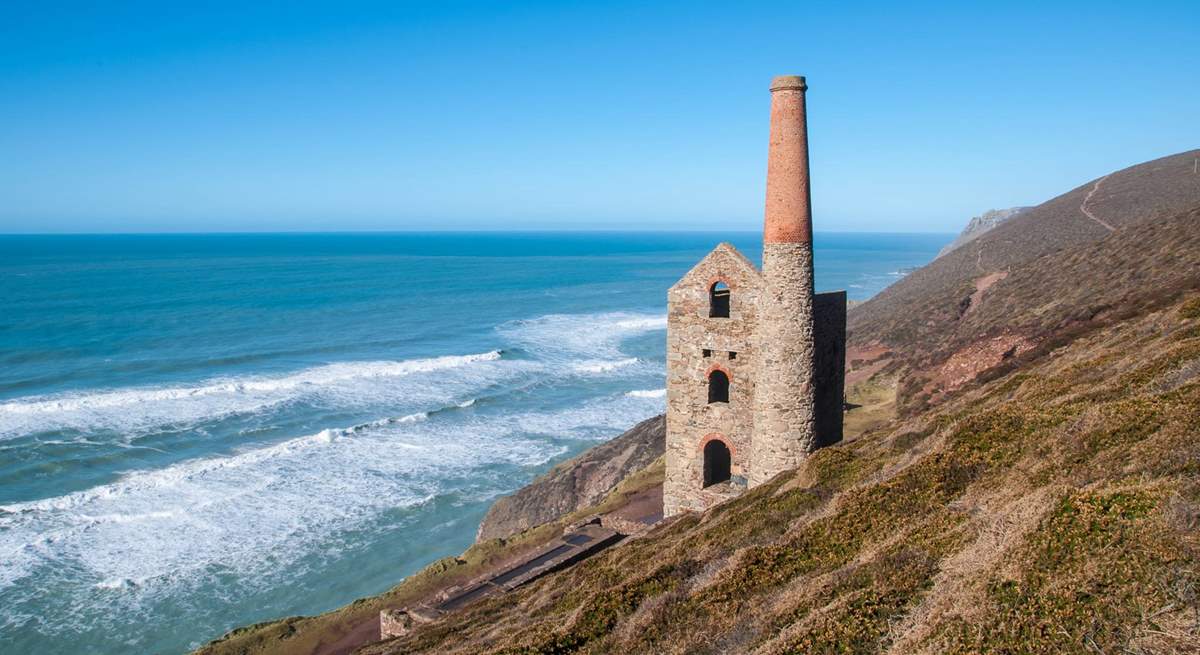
1041, 278
1054, 509
1023, 475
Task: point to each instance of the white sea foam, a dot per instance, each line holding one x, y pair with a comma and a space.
321, 375
584, 343
647, 393
176, 525
579, 343
117, 583
144, 408
643, 323
229, 511
259, 517
601, 366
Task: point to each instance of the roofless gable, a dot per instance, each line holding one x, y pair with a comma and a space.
723, 264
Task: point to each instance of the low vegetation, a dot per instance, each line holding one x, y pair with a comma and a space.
1056, 276
1055, 509
1021, 475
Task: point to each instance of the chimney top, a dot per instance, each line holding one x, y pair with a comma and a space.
788, 82
788, 216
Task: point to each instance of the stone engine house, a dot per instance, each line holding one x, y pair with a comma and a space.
755, 359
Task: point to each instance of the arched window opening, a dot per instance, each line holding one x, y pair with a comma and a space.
718, 297
716, 462
718, 387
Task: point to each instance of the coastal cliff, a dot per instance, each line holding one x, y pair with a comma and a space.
1113, 247
577, 483
980, 224
1052, 510
1036, 468
1019, 475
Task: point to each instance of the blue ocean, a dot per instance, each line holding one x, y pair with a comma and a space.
199, 432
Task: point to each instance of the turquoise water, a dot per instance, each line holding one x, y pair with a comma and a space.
199, 432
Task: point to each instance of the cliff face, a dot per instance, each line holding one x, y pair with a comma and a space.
577, 483
980, 224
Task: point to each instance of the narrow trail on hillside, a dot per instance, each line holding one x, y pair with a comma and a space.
1086, 212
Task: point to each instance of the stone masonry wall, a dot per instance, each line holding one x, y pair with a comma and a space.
690, 418
784, 396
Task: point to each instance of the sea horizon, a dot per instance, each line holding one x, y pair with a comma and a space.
464, 231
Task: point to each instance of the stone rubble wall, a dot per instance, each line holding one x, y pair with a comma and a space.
690, 418
784, 420
786, 382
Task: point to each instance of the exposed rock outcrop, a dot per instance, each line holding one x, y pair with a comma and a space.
980, 224
576, 483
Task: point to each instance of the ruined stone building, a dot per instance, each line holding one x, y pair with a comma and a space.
755, 359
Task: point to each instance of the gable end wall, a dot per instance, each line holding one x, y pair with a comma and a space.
690, 419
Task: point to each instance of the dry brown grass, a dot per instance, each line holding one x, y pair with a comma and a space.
1054, 509
1054, 275
876, 400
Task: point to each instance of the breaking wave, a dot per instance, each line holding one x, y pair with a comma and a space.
265, 507
144, 408
148, 530
603, 366
567, 336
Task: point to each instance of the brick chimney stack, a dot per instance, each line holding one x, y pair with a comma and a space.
784, 397
789, 200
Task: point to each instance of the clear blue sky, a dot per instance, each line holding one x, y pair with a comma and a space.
164, 116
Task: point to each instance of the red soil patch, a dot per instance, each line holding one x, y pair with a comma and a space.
862, 362
964, 365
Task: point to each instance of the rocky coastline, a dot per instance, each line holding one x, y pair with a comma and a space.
576, 483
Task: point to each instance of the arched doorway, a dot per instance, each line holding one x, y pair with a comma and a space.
716, 462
